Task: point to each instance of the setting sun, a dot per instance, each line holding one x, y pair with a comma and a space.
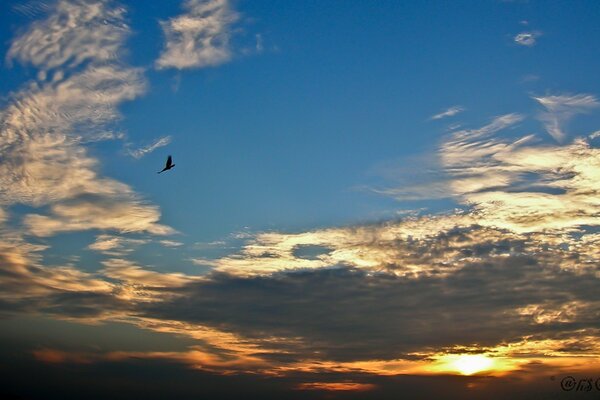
471, 364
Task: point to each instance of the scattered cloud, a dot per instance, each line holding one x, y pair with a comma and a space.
170, 243
136, 283
142, 151
259, 43
75, 31
522, 183
527, 39
340, 295
46, 124
200, 37
594, 135
529, 78
115, 245
561, 108
120, 213
449, 112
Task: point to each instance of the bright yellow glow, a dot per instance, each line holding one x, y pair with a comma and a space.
470, 364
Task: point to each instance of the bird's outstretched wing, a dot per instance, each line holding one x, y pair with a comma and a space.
168, 165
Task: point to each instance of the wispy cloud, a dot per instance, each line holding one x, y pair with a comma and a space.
521, 183
528, 39
561, 108
120, 213
449, 112
142, 151
200, 37
115, 245
170, 243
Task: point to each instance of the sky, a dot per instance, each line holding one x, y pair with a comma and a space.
369, 199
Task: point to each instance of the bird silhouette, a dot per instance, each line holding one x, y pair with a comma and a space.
168, 165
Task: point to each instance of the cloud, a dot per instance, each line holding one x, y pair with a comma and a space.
440, 176
337, 386
74, 32
200, 37
115, 245
594, 135
513, 275
350, 315
135, 283
42, 130
46, 124
521, 183
170, 243
448, 113
121, 213
363, 298
142, 151
527, 39
561, 108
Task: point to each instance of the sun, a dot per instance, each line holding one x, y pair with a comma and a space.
471, 364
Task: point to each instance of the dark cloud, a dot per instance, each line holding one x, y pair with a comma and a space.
347, 314
484, 288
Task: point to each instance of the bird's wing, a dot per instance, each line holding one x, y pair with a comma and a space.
169, 161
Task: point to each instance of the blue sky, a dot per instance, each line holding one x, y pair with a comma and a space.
319, 146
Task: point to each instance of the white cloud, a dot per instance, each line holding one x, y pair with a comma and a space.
115, 213
130, 273
142, 151
594, 135
527, 39
43, 160
449, 112
115, 245
561, 108
517, 183
200, 37
523, 184
74, 32
170, 243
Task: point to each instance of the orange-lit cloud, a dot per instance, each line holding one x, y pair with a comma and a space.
337, 386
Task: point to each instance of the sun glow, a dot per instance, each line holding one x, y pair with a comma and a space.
470, 364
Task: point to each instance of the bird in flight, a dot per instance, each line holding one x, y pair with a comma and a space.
168, 165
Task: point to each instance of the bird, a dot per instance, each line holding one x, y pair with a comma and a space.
168, 165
